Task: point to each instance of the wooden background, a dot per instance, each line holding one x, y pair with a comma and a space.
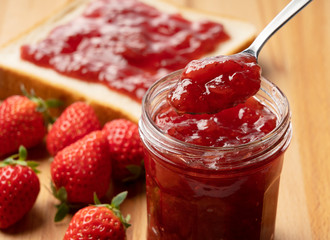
297, 59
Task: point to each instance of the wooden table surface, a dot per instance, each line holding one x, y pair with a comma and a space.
297, 59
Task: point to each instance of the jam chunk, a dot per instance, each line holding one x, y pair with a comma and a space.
241, 124
212, 84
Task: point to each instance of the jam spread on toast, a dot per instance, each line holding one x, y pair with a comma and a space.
126, 45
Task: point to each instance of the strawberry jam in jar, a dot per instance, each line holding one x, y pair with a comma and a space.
213, 176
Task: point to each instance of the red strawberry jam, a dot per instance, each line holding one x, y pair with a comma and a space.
212, 84
241, 124
124, 44
214, 176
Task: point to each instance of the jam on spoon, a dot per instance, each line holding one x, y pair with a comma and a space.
201, 89
213, 84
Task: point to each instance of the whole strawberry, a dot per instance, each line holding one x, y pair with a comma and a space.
19, 188
21, 123
101, 221
76, 121
125, 148
82, 168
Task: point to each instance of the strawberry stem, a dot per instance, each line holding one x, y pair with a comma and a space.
42, 105
64, 207
19, 159
114, 207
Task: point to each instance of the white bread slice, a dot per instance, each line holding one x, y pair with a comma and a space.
107, 103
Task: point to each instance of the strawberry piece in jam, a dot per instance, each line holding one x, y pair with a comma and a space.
241, 124
212, 84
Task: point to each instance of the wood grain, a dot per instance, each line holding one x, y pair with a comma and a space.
297, 59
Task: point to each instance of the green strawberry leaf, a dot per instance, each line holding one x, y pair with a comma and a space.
22, 153
64, 207
42, 105
19, 159
96, 199
53, 103
114, 207
23, 90
62, 210
32, 164
118, 199
126, 220
60, 194
115, 204
135, 170
6, 162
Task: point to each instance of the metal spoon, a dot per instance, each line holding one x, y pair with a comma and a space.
284, 16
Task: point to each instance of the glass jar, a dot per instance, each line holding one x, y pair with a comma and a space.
237, 199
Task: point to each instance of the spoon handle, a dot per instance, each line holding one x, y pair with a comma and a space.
285, 15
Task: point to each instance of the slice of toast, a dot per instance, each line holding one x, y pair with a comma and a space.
107, 103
